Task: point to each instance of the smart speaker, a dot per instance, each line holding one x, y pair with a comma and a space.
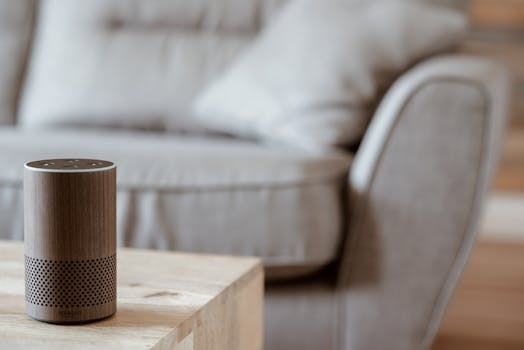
70, 239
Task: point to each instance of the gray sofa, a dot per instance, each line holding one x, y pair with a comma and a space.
362, 249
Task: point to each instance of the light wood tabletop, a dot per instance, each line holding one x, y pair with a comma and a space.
165, 301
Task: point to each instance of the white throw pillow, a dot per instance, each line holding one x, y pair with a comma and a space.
312, 75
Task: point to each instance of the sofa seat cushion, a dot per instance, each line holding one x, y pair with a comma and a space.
211, 195
15, 30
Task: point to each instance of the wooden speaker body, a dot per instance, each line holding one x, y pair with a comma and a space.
70, 239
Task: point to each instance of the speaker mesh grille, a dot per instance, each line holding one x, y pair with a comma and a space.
67, 284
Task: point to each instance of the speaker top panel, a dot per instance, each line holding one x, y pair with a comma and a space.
69, 165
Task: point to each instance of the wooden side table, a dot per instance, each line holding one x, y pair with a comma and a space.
165, 301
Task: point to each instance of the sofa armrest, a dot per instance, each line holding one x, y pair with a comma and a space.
416, 187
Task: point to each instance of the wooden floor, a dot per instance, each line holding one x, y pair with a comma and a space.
487, 311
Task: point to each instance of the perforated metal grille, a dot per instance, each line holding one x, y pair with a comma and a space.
69, 284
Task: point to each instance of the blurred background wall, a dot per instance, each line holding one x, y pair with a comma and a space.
486, 312
498, 32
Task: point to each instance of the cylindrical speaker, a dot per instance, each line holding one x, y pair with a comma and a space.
70, 239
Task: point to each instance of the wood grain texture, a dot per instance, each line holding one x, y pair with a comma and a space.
498, 32
497, 13
70, 216
70, 244
510, 174
487, 311
163, 298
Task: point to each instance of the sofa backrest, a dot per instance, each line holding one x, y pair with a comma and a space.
462, 5
16, 19
129, 63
